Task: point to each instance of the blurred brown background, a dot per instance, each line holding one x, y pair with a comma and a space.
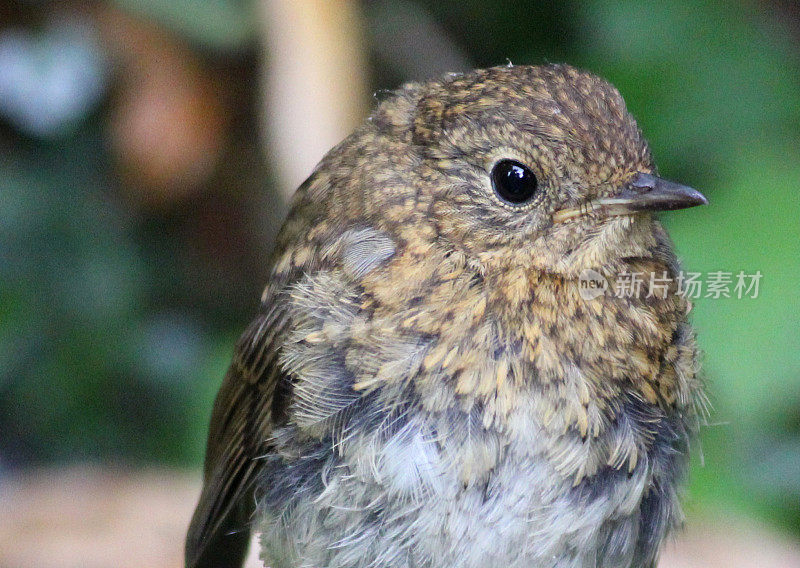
147, 152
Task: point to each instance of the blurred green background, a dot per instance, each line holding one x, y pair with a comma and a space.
144, 168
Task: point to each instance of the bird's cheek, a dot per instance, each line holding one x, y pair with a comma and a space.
570, 248
552, 251
611, 239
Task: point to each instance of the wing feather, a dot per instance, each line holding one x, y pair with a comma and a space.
278, 374
240, 428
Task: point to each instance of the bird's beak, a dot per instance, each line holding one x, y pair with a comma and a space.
644, 193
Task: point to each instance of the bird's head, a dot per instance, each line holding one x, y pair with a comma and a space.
541, 167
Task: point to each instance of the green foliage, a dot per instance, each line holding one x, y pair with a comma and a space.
89, 368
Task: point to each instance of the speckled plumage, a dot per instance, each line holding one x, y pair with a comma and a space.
424, 386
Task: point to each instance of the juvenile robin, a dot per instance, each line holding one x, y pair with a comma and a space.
424, 384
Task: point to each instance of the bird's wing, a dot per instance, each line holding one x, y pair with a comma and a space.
241, 424
277, 375
244, 415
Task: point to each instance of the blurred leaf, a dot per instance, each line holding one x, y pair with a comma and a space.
225, 25
706, 79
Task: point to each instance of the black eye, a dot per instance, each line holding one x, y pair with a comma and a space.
513, 182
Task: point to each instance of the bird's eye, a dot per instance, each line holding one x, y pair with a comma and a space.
513, 182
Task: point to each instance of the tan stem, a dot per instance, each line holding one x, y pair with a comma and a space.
315, 82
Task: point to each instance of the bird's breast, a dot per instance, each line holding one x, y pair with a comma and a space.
442, 421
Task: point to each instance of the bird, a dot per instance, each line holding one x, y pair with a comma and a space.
424, 384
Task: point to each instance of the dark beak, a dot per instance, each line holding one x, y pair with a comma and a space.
644, 193
647, 192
